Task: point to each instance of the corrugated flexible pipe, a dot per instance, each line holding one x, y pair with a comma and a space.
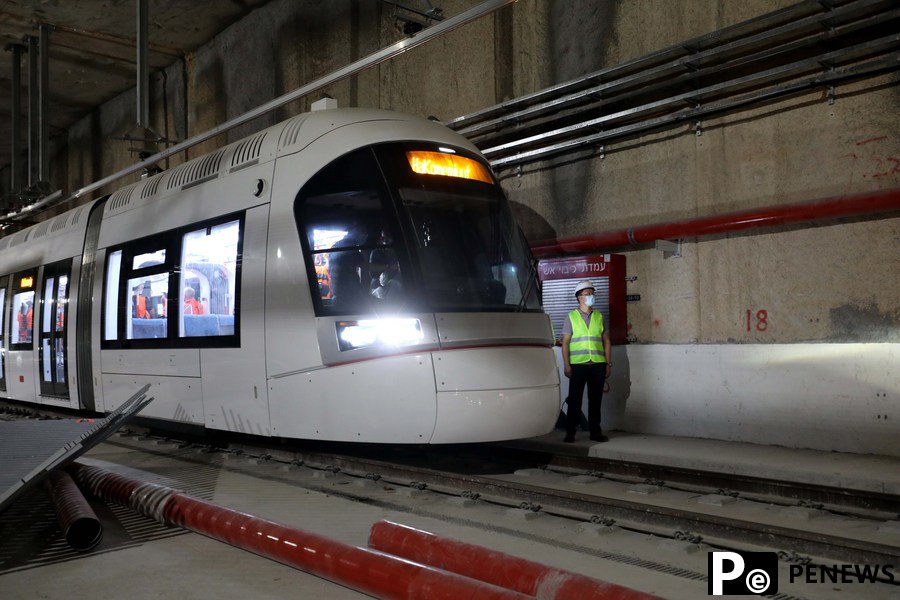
362, 569
79, 523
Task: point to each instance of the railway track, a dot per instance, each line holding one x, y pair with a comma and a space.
804, 523
803, 531
837, 499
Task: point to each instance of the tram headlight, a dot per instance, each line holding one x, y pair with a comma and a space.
379, 332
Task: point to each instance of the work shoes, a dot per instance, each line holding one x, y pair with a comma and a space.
599, 437
570, 438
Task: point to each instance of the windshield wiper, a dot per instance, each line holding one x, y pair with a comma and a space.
532, 277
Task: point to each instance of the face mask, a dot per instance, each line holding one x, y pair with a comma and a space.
589, 300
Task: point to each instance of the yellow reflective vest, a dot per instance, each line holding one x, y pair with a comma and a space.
586, 344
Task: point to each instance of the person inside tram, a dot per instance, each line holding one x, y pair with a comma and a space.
142, 301
29, 320
384, 270
191, 306
346, 267
159, 311
20, 321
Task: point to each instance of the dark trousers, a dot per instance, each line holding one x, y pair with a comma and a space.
594, 375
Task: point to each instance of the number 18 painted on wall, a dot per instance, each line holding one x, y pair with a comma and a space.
762, 320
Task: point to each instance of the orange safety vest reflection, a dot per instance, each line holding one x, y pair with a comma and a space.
192, 307
142, 308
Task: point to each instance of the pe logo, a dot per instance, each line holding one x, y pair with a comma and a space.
742, 573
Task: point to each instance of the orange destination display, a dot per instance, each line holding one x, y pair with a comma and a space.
26, 282
447, 165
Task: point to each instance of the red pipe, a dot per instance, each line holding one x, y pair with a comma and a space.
361, 569
870, 203
77, 519
493, 567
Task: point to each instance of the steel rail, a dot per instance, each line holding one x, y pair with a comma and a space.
768, 535
709, 40
387, 53
697, 96
868, 69
522, 455
719, 530
516, 454
743, 484
683, 70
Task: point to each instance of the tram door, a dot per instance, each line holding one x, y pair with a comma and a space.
54, 315
4, 283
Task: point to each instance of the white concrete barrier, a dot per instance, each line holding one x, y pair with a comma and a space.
841, 397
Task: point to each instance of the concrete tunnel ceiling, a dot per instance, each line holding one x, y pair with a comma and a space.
92, 49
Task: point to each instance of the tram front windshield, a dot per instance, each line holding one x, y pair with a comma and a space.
412, 227
469, 250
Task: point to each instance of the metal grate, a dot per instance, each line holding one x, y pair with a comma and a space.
120, 199
41, 229
77, 216
559, 300
29, 450
58, 224
151, 188
247, 152
291, 132
17, 239
196, 171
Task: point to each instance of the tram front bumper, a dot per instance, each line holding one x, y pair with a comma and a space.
495, 393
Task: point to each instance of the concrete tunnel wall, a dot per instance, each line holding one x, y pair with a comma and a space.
821, 374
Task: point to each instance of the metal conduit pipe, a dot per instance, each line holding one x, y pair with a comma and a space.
143, 69
867, 204
368, 571
504, 570
43, 93
79, 523
15, 159
32, 43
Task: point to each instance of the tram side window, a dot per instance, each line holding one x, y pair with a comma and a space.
110, 309
176, 289
208, 284
146, 314
147, 293
2, 310
23, 317
2, 330
344, 211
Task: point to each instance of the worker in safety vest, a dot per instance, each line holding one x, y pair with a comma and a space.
20, 321
29, 321
191, 306
585, 349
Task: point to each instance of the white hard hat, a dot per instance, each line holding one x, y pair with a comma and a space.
583, 285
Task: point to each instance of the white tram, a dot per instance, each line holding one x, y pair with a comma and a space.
351, 275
